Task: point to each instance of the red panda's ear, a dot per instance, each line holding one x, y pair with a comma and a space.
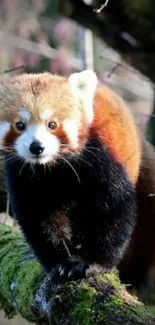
84, 85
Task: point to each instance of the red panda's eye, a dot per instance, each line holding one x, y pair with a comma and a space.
20, 126
52, 125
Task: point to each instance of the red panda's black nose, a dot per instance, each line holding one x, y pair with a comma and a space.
36, 148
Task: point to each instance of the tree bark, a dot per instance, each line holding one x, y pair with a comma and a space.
25, 289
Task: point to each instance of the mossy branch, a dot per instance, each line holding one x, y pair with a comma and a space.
25, 289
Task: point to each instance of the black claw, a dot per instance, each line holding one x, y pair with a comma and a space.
72, 269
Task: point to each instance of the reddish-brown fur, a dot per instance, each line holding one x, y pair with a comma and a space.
10, 137
116, 128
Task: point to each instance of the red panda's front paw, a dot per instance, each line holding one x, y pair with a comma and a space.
72, 269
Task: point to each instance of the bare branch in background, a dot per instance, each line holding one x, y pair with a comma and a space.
12, 69
127, 68
32, 47
124, 66
101, 8
114, 69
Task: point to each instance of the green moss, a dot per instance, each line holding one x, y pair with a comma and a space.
75, 302
119, 311
9, 266
108, 306
28, 278
92, 307
116, 301
152, 309
110, 278
109, 314
9, 240
82, 312
56, 303
140, 311
12, 246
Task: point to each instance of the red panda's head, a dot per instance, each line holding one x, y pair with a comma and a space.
43, 117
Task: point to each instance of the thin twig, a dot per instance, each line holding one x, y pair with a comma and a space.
12, 69
127, 68
123, 65
101, 8
113, 69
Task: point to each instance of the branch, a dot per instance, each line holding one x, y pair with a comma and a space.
13, 69
101, 8
32, 47
25, 290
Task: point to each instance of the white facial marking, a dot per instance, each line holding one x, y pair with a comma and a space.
25, 115
37, 133
4, 128
84, 85
71, 129
46, 114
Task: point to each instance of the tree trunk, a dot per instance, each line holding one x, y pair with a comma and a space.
25, 289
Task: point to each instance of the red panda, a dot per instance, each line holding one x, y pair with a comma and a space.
72, 161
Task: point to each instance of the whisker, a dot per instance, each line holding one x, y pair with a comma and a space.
7, 146
2, 162
72, 169
32, 168
79, 158
23, 165
92, 153
48, 166
13, 157
94, 148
